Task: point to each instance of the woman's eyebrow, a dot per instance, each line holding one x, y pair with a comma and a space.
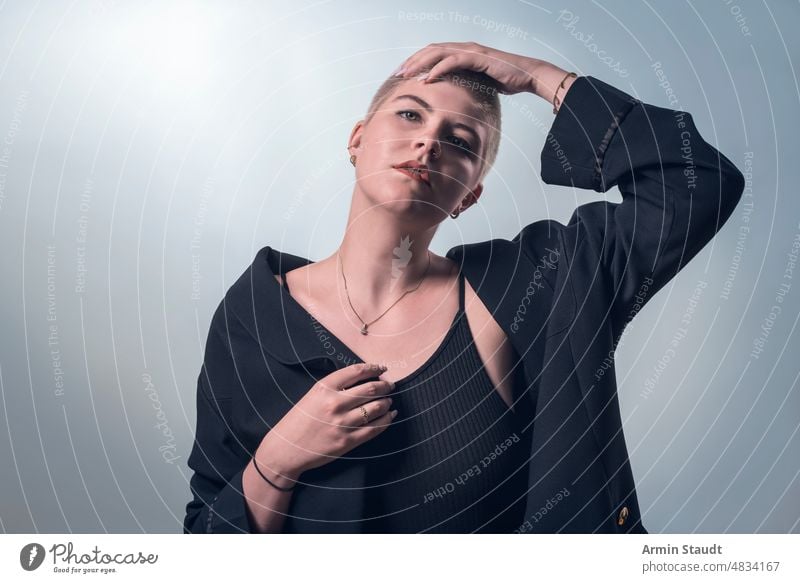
427, 107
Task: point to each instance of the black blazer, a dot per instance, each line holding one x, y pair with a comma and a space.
562, 293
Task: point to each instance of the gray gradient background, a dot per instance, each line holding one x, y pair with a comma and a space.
179, 140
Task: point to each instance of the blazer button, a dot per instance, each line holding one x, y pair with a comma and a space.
623, 516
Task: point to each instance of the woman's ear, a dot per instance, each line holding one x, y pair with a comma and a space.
476, 194
355, 136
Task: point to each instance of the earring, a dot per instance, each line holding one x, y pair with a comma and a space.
454, 215
353, 159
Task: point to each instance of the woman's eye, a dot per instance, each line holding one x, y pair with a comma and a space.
463, 145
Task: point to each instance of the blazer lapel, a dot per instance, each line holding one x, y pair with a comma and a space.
282, 328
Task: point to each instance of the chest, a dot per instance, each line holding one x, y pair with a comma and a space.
417, 334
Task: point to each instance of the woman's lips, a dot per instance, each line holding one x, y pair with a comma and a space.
412, 174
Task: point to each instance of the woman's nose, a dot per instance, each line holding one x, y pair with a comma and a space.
431, 144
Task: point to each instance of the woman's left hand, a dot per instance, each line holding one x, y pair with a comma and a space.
513, 73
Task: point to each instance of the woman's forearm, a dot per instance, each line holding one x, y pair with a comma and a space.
266, 505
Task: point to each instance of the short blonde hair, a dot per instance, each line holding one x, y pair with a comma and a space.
484, 92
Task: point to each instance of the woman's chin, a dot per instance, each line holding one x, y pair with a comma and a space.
405, 205
409, 203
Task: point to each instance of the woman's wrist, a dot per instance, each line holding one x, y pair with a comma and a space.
546, 79
281, 480
279, 472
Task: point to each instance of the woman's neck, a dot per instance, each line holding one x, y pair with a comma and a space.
382, 258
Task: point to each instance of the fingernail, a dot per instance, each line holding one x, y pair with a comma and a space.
422, 77
394, 413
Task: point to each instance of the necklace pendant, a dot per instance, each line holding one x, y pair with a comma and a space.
364, 329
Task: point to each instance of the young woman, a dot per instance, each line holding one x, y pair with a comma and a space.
495, 407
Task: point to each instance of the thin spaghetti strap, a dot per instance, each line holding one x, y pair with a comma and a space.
461, 291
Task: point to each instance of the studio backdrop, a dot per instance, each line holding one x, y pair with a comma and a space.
149, 150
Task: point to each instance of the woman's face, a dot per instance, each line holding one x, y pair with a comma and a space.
436, 124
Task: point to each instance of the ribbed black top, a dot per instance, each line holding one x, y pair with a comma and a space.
446, 463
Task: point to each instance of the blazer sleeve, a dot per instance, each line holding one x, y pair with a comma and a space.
217, 458
677, 190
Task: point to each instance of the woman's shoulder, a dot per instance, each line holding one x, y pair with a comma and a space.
505, 274
497, 259
262, 277
260, 319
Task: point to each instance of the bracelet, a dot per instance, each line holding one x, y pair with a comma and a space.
270, 481
561, 86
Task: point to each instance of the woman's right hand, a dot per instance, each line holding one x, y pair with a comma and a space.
328, 421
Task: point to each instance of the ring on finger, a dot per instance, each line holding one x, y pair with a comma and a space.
364, 415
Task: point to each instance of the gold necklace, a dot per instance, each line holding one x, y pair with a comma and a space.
365, 325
